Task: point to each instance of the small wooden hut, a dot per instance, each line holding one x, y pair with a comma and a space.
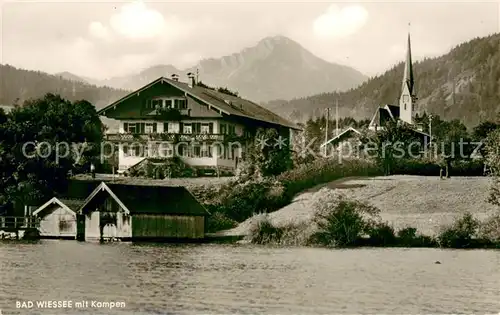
58, 215
135, 212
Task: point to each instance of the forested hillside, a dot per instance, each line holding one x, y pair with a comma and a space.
463, 84
18, 85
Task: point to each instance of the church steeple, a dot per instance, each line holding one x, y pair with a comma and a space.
408, 74
408, 96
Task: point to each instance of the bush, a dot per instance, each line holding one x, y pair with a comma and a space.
323, 171
382, 234
219, 222
343, 222
425, 167
460, 233
263, 231
421, 167
240, 199
490, 229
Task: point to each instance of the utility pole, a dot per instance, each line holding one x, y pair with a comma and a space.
326, 128
337, 117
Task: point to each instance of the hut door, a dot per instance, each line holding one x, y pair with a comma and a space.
80, 227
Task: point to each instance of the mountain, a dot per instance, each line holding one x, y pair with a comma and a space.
18, 85
277, 67
137, 81
463, 84
71, 77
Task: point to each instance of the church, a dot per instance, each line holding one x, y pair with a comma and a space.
403, 112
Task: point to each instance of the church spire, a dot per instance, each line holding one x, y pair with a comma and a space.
408, 74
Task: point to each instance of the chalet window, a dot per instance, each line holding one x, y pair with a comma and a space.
232, 129
167, 104
131, 128
182, 104
206, 151
150, 128
205, 128
172, 127
135, 151
188, 129
186, 151
156, 103
223, 129
196, 128
197, 152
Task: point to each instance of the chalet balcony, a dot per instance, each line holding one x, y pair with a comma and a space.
170, 137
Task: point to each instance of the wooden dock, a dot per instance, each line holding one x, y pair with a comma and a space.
16, 224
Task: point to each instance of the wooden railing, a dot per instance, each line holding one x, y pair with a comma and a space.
19, 222
170, 137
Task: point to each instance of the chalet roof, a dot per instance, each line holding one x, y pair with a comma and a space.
341, 135
139, 199
228, 104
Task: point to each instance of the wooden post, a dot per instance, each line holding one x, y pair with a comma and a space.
441, 173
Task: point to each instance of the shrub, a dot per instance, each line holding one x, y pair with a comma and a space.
421, 167
490, 229
460, 233
382, 234
342, 222
323, 171
219, 222
425, 167
263, 231
240, 199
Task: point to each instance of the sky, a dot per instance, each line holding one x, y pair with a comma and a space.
102, 39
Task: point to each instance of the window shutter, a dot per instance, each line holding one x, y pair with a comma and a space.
165, 127
211, 128
154, 127
125, 127
181, 127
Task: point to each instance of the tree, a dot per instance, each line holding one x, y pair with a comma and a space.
267, 156
43, 142
493, 162
393, 142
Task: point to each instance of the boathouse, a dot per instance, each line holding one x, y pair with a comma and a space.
135, 212
57, 216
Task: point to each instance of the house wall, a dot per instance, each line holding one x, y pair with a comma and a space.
167, 226
50, 225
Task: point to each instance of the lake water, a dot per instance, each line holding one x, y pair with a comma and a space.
220, 279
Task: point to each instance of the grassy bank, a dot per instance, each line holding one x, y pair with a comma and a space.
239, 200
342, 222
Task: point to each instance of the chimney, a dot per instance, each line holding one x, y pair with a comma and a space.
174, 77
191, 79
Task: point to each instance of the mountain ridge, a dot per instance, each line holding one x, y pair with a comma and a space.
462, 84
257, 72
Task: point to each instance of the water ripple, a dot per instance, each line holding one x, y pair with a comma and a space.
216, 279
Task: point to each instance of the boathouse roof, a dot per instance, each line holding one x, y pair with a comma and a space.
140, 199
